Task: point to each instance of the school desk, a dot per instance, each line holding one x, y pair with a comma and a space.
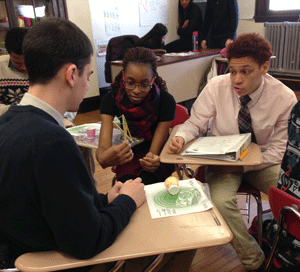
143, 236
183, 74
252, 158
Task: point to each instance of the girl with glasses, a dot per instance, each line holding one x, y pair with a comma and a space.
141, 95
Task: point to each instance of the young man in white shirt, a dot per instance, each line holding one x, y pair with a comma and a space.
217, 109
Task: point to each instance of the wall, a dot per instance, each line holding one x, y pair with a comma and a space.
247, 23
128, 22
79, 13
88, 15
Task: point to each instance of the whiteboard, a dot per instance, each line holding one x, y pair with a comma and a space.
246, 9
152, 12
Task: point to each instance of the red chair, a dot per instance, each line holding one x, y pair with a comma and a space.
245, 189
285, 209
181, 115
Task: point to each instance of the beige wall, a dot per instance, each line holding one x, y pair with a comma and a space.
246, 26
79, 13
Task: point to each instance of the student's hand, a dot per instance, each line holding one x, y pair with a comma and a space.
178, 25
114, 191
134, 189
203, 44
176, 144
150, 162
185, 24
219, 169
228, 41
116, 155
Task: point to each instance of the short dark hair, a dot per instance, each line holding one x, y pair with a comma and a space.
52, 43
14, 40
250, 45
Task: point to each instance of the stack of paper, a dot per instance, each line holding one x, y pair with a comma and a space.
228, 148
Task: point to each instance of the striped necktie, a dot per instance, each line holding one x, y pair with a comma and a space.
244, 118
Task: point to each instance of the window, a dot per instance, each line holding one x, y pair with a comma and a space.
277, 10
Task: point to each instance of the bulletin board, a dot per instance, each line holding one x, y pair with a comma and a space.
152, 12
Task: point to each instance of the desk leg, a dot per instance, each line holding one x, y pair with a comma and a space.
188, 171
178, 171
155, 263
117, 266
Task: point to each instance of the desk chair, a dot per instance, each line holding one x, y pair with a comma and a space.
285, 209
244, 189
116, 49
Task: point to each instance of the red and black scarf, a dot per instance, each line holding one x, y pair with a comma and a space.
139, 117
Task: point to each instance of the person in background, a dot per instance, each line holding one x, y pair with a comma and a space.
13, 76
155, 38
141, 95
189, 20
221, 108
220, 23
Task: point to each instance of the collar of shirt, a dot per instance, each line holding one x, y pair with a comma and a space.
255, 96
31, 100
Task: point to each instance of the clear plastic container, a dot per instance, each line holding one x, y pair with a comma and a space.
195, 41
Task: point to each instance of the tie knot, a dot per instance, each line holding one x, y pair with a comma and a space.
244, 100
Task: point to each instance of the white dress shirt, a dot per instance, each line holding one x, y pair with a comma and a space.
218, 105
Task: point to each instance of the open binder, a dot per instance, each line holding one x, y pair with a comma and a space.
225, 148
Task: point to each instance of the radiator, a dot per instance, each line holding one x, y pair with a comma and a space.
285, 40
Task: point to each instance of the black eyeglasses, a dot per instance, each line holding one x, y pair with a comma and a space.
142, 87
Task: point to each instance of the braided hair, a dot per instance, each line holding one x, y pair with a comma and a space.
139, 55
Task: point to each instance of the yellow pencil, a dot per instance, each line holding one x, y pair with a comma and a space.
124, 126
119, 128
244, 153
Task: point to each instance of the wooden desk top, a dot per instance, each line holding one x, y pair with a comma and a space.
165, 60
143, 236
252, 158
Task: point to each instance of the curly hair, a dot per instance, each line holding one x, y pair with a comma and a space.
139, 55
250, 45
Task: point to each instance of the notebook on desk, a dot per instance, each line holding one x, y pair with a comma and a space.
225, 148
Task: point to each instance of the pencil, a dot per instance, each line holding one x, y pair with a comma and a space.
124, 126
244, 153
119, 128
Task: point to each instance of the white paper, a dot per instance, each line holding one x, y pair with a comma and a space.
190, 199
80, 136
214, 145
183, 54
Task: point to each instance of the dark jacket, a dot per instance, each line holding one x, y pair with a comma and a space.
220, 19
116, 49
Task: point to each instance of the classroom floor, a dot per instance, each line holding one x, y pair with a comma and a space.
220, 258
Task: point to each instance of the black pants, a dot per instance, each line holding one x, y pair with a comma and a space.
182, 44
